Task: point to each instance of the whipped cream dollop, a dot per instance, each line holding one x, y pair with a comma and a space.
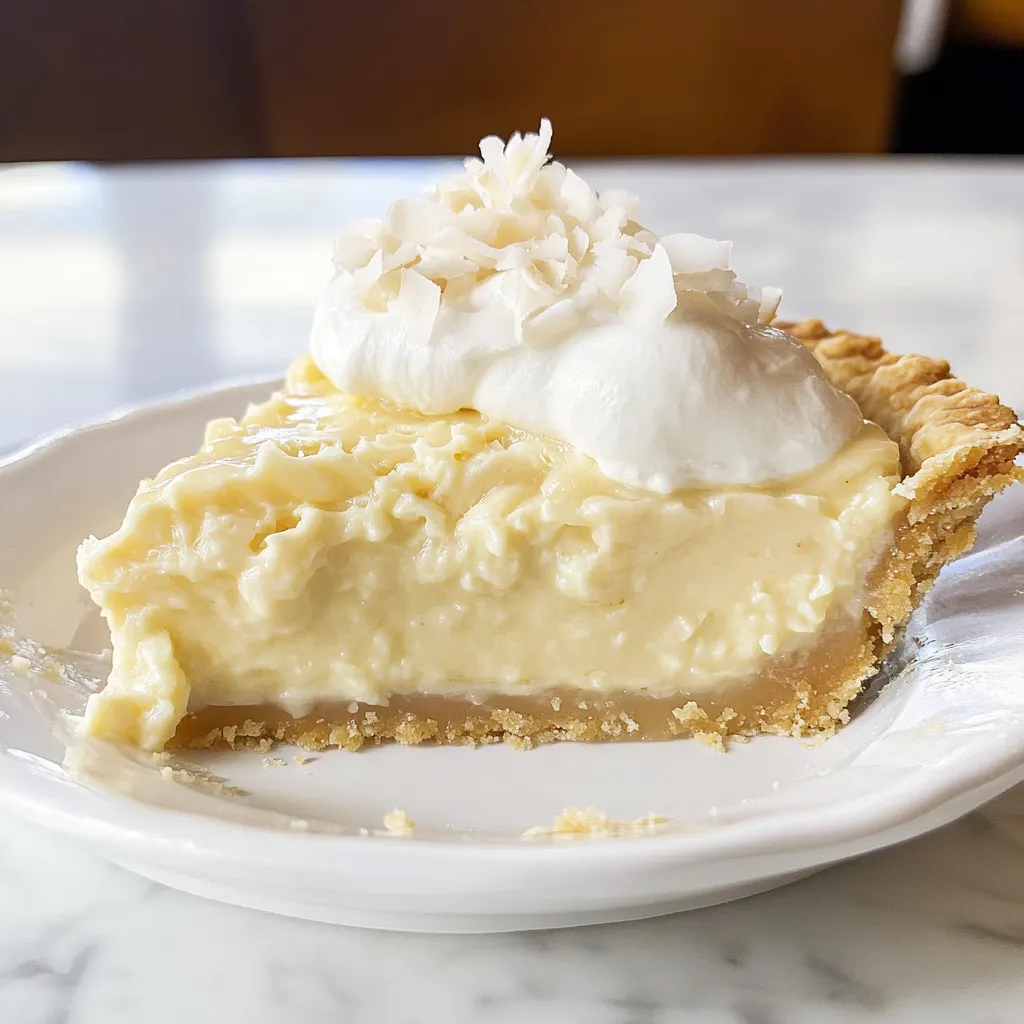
516, 290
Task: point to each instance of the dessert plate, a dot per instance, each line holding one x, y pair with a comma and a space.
941, 731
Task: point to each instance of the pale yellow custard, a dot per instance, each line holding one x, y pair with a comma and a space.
327, 550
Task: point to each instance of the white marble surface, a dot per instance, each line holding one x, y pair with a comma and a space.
927, 933
123, 284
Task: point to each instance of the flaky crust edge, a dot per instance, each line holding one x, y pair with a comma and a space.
957, 448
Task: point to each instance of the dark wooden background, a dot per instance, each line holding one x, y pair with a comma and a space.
165, 79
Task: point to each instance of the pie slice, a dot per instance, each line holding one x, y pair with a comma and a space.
330, 570
543, 476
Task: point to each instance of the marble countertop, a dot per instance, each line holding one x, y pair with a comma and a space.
119, 285
926, 933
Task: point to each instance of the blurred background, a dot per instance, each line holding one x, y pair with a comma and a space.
127, 80
133, 264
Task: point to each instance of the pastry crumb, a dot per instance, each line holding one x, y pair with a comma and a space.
200, 780
817, 739
577, 823
711, 740
689, 714
20, 664
207, 741
398, 823
274, 762
303, 759
52, 670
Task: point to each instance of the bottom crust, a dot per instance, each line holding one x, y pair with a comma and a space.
798, 695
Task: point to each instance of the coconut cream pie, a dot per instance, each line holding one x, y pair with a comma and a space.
542, 476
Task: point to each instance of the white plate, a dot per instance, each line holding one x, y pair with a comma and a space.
945, 735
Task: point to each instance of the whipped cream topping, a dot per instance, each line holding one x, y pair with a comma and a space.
516, 290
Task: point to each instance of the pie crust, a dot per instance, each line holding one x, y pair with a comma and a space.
957, 446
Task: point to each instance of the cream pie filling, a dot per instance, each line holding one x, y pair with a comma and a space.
334, 549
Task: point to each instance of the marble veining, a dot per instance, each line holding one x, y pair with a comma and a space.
928, 932
107, 299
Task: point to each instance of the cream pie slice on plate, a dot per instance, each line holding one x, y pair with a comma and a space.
543, 476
